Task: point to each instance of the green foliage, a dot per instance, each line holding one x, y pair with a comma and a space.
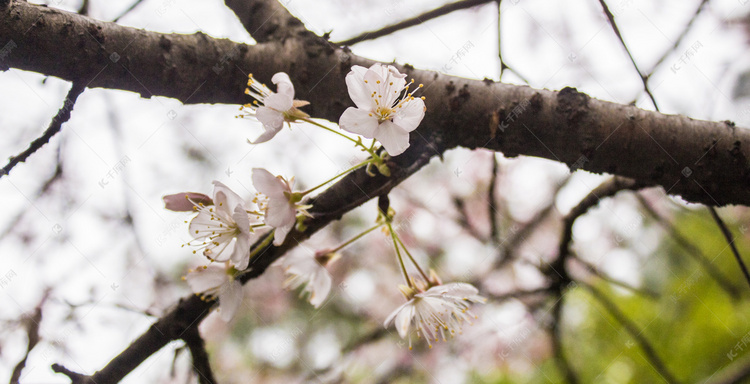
693, 326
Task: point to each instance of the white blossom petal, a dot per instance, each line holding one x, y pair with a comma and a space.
241, 254
321, 286
284, 85
279, 102
267, 184
403, 319
230, 299
395, 139
410, 115
207, 280
359, 92
304, 269
359, 121
271, 119
231, 199
279, 234
280, 213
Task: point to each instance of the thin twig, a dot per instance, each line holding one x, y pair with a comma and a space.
644, 78
54, 127
608, 188
125, 12
435, 13
562, 361
84, 8
57, 175
730, 240
492, 203
596, 272
463, 220
503, 64
519, 236
677, 42
734, 373
634, 332
692, 250
32, 323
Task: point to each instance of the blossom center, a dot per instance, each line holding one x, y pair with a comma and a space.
389, 101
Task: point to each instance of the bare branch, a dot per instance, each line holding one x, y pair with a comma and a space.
735, 373
634, 332
519, 236
560, 356
608, 188
493, 205
596, 272
679, 39
692, 250
503, 64
730, 240
128, 10
435, 13
32, 323
54, 127
644, 78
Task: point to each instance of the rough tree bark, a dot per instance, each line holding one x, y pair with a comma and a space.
701, 161
704, 162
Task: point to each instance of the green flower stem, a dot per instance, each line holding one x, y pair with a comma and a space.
398, 254
331, 130
302, 194
263, 244
357, 143
355, 238
421, 272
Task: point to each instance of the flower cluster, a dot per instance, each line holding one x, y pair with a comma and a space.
229, 231
226, 226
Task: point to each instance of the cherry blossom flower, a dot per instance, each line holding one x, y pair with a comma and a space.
281, 206
386, 110
218, 281
272, 109
302, 269
441, 308
223, 230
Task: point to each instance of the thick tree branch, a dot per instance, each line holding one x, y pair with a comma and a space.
267, 20
201, 364
702, 161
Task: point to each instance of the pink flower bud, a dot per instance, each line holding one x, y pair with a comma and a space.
185, 201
